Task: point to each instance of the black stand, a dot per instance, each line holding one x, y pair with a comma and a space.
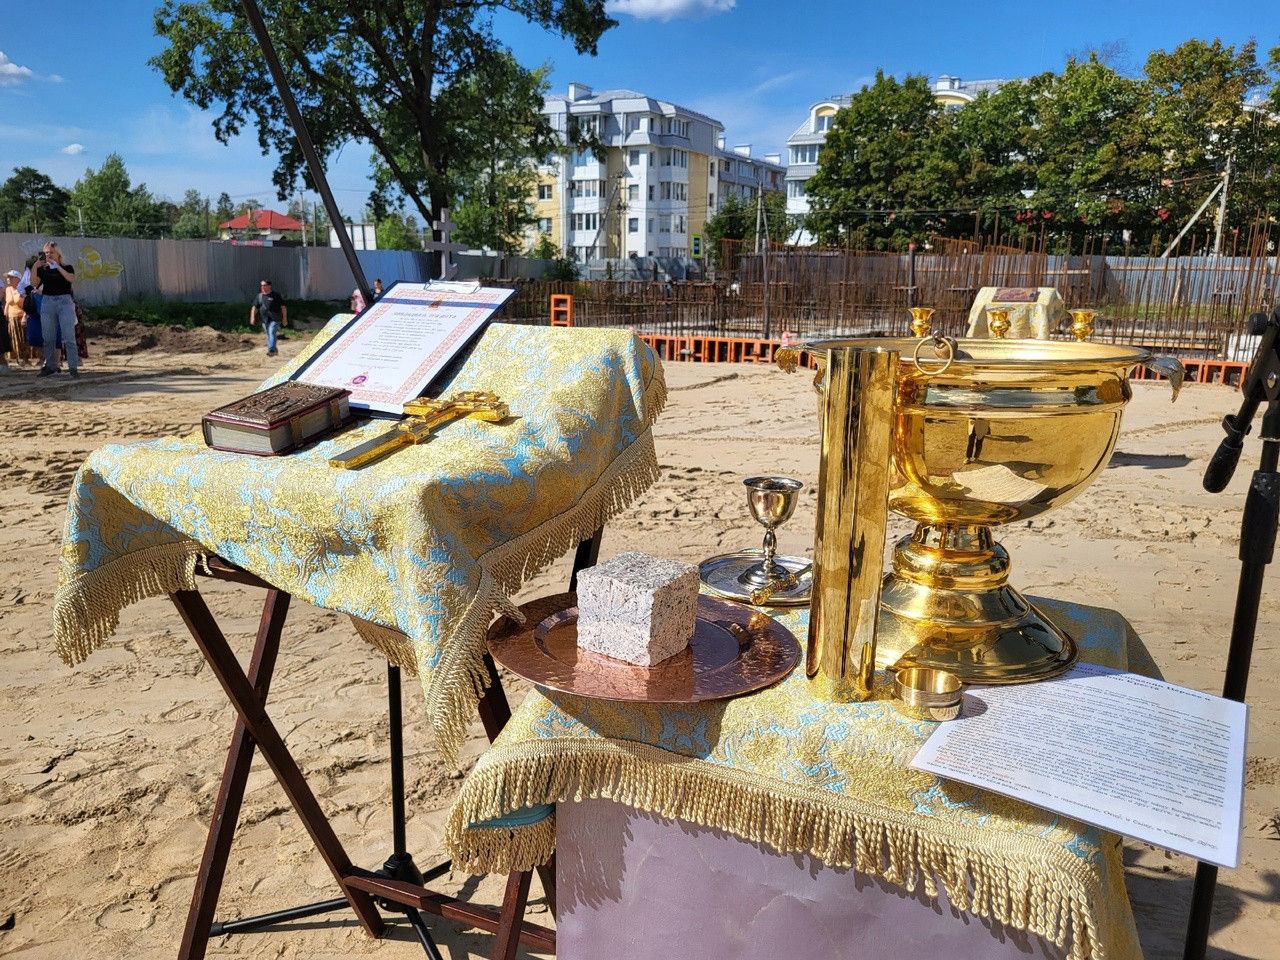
1257, 545
400, 865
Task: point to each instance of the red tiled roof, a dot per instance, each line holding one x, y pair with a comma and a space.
262, 220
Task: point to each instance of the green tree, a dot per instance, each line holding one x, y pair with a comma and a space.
737, 219
112, 207
1199, 123
494, 210
400, 77
30, 202
990, 138
225, 210
1088, 147
192, 220
884, 171
398, 231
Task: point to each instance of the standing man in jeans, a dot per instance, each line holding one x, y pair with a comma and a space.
274, 313
57, 309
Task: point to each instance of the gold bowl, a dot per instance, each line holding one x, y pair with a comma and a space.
995, 431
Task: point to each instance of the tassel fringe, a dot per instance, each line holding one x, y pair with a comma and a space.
1010, 881
87, 611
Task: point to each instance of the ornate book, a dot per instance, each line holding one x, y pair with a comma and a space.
276, 420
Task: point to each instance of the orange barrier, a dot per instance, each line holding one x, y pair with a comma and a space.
1230, 372
561, 310
711, 349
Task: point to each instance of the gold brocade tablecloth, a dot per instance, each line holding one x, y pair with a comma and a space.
809, 776
421, 547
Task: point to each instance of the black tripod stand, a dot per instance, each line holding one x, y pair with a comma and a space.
1257, 544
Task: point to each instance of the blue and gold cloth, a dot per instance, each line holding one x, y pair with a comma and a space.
420, 548
804, 775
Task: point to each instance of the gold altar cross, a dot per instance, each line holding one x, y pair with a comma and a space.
424, 415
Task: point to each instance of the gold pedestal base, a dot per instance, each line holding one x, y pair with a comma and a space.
947, 604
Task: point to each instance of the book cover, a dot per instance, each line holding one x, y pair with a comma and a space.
276, 420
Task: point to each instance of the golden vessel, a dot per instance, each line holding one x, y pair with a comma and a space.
1000, 431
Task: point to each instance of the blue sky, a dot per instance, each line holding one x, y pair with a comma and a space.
71, 94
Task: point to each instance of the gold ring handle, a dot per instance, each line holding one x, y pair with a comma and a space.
937, 342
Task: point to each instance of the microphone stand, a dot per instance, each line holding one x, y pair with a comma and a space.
1257, 545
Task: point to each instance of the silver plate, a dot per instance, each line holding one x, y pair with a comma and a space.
723, 576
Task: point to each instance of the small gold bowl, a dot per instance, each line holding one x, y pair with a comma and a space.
927, 693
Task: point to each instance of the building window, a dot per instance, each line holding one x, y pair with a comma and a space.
633, 225
544, 191
544, 224
635, 123
664, 223
585, 188
651, 193
795, 189
711, 202
585, 221
680, 224
822, 122
805, 153
633, 191
634, 159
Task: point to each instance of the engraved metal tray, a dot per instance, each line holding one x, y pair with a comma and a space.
734, 650
722, 575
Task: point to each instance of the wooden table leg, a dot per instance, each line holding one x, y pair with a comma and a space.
513, 903
222, 660
226, 811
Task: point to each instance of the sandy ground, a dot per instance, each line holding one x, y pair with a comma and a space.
108, 771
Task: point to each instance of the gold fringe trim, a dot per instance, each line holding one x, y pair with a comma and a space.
86, 611
1021, 882
460, 677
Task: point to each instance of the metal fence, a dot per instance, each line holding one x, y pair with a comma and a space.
113, 270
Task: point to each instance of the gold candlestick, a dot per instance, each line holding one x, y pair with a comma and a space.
1082, 323
998, 323
920, 317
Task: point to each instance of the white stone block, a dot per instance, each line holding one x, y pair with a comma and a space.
637, 608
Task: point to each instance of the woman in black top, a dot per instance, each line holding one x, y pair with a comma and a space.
57, 309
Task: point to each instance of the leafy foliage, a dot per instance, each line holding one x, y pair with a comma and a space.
107, 203
411, 78
737, 219
31, 202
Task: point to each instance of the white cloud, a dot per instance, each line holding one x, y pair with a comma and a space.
670, 9
11, 74
73, 149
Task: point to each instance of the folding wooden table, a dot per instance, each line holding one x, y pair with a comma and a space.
362, 890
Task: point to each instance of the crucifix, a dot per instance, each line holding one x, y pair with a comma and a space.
423, 415
446, 227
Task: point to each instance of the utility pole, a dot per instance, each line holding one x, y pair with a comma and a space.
762, 247
1222, 208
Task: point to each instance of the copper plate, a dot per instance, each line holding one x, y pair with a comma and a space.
734, 650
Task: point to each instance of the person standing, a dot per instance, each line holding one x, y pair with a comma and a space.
274, 313
377, 289
57, 309
16, 319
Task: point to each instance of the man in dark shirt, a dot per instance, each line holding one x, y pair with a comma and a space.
274, 313
57, 309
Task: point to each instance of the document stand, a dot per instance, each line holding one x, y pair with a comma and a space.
397, 886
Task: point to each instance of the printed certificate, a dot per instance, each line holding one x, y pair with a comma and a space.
390, 353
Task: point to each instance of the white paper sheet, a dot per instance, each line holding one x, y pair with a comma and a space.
1143, 758
392, 350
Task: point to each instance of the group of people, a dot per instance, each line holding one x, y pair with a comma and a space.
40, 311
